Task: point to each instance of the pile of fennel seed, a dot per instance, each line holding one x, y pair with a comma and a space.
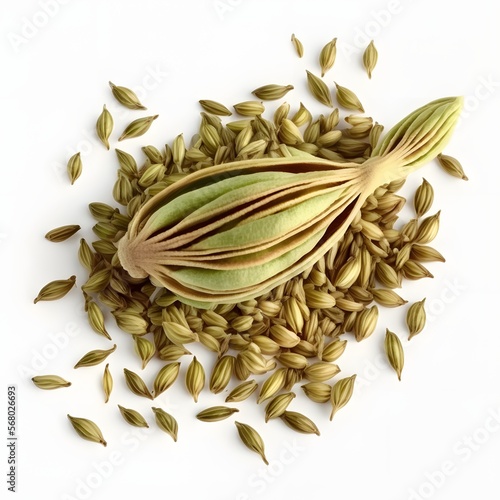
291, 336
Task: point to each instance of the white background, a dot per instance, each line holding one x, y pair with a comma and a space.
433, 435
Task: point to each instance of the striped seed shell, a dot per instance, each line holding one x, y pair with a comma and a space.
133, 417
165, 378
195, 378
277, 406
242, 391
50, 382
87, 429
136, 384
216, 413
394, 352
370, 57
95, 357
251, 439
415, 318
126, 96
166, 422
299, 423
341, 393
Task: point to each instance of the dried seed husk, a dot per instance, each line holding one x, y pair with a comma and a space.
319, 90
221, 374
136, 384
387, 298
87, 429
166, 422
55, 289
154, 173
137, 127
242, 391
216, 413
123, 192
319, 392
133, 417
165, 378
415, 318
281, 113
293, 314
284, 337
62, 233
144, 348
272, 385
327, 56
321, 371
272, 92
242, 323
341, 393
97, 281
173, 352
424, 253
215, 108
195, 378
293, 360
210, 137
179, 150
209, 342
102, 212
104, 126
297, 44
347, 305
131, 322
301, 117
316, 299
305, 348
452, 166
402, 256
50, 382
348, 99
252, 362
96, 319
365, 323
105, 230
95, 357
277, 406
333, 351
370, 57
251, 439
74, 167
289, 133
179, 334
128, 165
249, 108
394, 352
348, 273
428, 229
104, 247
85, 255
126, 96
107, 382
299, 423
387, 275
153, 154
212, 318
413, 270
424, 196
329, 139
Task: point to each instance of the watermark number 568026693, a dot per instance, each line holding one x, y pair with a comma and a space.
11, 438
